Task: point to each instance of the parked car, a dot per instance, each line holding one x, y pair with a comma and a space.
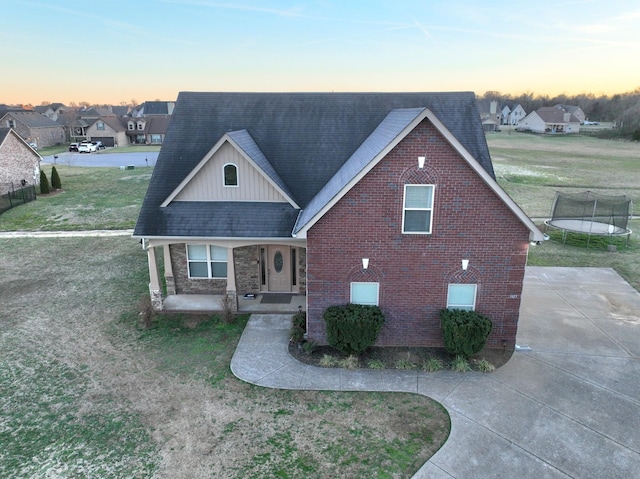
87, 147
99, 145
73, 147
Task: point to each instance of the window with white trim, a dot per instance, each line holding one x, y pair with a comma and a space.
462, 296
206, 261
100, 125
365, 293
417, 212
230, 172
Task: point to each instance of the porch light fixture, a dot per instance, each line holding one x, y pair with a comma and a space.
421, 162
365, 263
465, 264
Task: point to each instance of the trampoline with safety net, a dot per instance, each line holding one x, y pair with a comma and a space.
591, 214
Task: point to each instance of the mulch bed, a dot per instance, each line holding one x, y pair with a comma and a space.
391, 356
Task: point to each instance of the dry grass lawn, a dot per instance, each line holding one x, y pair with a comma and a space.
85, 392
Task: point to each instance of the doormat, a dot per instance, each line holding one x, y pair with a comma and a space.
276, 298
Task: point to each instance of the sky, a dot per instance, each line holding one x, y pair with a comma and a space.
114, 51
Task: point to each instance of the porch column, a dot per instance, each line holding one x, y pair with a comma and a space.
168, 271
232, 294
154, 279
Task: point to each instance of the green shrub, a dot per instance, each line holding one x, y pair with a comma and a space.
460, 364
44, 184
404, 364
353, 328
376, 364
298, 327
55, 179
465, 332
309, 347
328, 361
432, 364
485, 366
350, 362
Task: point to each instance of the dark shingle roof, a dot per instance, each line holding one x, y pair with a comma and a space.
3, 134
551, 114
32, 119
307, 137
156, 108
232, 219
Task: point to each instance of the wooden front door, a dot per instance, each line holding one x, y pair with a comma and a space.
278, 268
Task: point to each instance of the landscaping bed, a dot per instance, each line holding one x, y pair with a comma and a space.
396, 357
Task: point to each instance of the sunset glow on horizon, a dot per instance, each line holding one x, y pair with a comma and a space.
120, 51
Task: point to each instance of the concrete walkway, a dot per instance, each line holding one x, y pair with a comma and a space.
569, 408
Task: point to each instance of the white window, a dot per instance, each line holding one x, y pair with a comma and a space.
365, 293
11, 123
100, 126
130, 125
462, 296
206, 261
417, 209
155, 138
140, 125
230, 172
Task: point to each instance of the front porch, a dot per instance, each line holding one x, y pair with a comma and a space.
205, 303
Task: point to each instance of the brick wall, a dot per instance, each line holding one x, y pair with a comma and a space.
17, 163
469, 221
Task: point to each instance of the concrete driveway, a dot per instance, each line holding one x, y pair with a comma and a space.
568, 408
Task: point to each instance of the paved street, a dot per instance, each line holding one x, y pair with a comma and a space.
104, 158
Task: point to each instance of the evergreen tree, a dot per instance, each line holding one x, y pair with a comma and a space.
44, 183
55, 179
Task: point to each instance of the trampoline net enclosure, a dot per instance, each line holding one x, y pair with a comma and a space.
591, 213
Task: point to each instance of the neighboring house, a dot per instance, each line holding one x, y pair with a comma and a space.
504, 115
19, 163
110, 130
490, 115
576, 111
372, 198
516, 114
146, 130
34, 127
52, 111
550, 119
154, 108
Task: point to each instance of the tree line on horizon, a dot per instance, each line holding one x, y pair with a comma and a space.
623, 109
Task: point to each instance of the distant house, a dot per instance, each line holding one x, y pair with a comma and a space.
504, 115
52, 111
490, 115
517, 113
34, 127
576, 111
110, 130
551, 120
511, 114
146, 130
19, 163
386, 199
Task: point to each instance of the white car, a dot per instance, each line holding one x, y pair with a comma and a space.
87, 147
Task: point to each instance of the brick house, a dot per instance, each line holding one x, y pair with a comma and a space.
19, 163
34, 127
372, 198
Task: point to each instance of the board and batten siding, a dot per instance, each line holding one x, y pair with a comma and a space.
208, 183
